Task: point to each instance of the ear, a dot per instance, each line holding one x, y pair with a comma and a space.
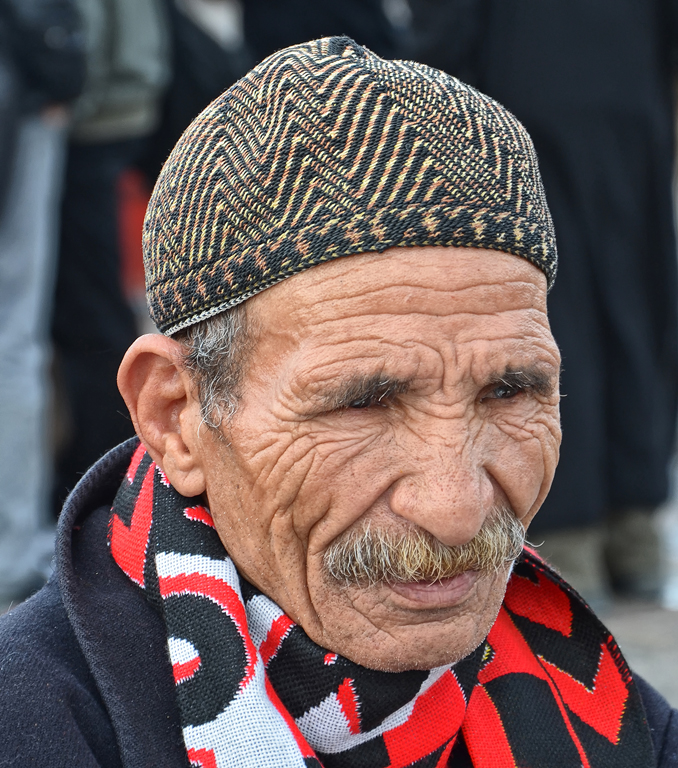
165, 410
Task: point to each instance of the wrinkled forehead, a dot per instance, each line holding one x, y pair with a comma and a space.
438, 324
412, 313
402, 282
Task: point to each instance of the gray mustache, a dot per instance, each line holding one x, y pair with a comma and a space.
370, 555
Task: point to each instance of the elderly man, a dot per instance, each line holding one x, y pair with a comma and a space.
347, 426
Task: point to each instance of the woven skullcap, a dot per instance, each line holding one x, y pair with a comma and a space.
325, 150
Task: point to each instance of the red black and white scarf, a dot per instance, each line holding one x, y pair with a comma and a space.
549, 687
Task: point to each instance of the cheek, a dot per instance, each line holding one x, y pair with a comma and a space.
294, 474
524, 451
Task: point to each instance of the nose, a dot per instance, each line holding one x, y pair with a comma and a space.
446, 490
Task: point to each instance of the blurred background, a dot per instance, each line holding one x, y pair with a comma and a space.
94, 94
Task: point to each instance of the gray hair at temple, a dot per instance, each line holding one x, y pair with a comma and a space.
214, 355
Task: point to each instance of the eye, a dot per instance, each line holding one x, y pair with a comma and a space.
506, 391
363, 402
513, 383
367, 401
503, 391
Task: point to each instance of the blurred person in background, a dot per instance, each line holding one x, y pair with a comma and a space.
41, 70
592, 82
128, 68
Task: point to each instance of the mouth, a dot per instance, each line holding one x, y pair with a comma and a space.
445, 593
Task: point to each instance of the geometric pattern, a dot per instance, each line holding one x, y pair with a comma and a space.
548, 687
325, 150
557, 690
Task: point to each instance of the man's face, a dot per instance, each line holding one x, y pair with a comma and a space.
411, 390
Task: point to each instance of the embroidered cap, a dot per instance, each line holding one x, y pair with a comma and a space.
325, 150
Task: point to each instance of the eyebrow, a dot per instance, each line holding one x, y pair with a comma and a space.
376, 388
533, 377
380, 387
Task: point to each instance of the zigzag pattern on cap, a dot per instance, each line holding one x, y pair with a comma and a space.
325, 150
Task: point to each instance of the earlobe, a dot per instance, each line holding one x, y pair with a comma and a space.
164, 409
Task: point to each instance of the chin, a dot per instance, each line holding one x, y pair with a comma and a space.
416, 638
418, 655
438, 648
417, 647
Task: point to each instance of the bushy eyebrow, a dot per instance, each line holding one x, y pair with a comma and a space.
376, 388
533, 377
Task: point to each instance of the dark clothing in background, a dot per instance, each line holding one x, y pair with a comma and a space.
42, 62
274, 24
10, 112
85, 677
201, 71
45, 39
92, 323
448, 35
591, 81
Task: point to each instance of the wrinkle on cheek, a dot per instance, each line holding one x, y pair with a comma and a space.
525, 461
542, 427
372, 625
294, 485
280, 458
538, 426
519, 429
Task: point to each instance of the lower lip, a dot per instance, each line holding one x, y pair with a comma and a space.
438, 594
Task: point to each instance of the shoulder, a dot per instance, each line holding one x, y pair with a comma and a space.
51, 714
663, 722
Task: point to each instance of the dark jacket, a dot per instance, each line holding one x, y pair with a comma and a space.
85, 678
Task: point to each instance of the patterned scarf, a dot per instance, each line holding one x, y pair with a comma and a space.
548, 687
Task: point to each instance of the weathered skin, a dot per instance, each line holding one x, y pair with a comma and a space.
301, 461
